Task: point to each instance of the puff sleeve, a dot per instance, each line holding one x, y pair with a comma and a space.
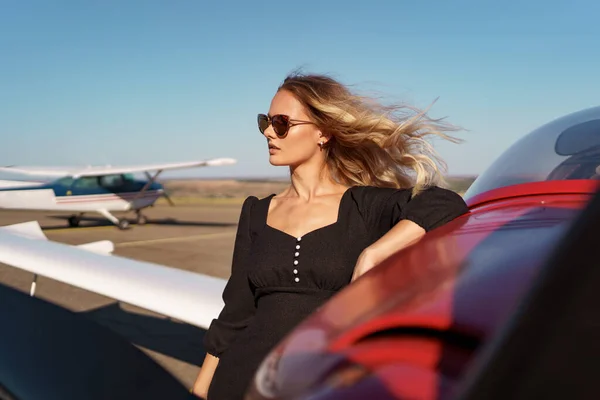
433, 207
382, 208
239, 306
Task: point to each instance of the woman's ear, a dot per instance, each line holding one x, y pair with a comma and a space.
323, 138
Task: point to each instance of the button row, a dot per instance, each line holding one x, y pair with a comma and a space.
296, 254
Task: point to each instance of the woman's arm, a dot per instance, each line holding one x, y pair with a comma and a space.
239, 306
403, 219
402, 235
205, 375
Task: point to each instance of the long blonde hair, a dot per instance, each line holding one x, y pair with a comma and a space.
371, 144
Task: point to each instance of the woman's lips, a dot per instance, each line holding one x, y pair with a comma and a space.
273, 149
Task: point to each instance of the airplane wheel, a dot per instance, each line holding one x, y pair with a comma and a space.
123, 224
141, 219
74, 221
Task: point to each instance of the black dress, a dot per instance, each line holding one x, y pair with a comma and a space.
277, 280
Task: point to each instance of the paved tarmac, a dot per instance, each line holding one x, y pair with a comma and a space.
194, 238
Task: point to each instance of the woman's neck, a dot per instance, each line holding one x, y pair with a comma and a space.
309, 181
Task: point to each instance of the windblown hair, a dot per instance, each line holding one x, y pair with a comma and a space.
371, 144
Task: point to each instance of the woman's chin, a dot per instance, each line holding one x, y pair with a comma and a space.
277, 161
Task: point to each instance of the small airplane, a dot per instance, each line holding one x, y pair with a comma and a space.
99, 189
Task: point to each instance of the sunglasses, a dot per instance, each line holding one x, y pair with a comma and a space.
281, 124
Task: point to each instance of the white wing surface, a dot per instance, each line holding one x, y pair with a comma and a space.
77, 172
33, 230
186, 296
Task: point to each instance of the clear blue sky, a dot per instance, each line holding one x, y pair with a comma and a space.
127, 82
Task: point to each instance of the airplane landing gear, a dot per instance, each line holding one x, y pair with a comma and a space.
123, 224
74, 221
141, 218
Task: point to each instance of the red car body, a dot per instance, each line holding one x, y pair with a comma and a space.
412, 327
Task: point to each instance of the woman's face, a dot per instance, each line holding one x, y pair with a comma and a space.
301, 143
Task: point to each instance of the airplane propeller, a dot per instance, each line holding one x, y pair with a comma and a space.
168, 198
153, 179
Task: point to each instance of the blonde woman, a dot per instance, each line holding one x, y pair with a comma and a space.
363, 186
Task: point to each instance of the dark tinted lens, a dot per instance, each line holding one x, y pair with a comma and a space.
263, 123
280, 124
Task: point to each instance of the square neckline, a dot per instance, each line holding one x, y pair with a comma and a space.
339, 213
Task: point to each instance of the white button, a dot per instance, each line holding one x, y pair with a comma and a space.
299, 239
295, 271
295, 262
298, 247
297, 279
297, 254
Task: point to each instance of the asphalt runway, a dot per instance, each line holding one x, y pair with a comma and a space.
194, 238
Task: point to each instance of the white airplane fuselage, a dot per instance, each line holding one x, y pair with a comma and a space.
46, 200
90, 194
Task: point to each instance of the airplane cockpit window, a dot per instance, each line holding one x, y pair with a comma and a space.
67, 181
86, 182
565, 149
111, 181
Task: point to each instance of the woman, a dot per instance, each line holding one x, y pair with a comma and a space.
362, 187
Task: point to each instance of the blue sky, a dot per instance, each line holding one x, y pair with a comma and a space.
128, 82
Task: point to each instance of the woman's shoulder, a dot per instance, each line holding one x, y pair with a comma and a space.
373, 201
252, 202
368, 196
429, 207
378, 191
375, 190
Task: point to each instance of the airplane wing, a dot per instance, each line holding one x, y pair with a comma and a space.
77, 172
38, 171
183, 295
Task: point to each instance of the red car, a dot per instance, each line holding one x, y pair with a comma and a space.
497, 304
